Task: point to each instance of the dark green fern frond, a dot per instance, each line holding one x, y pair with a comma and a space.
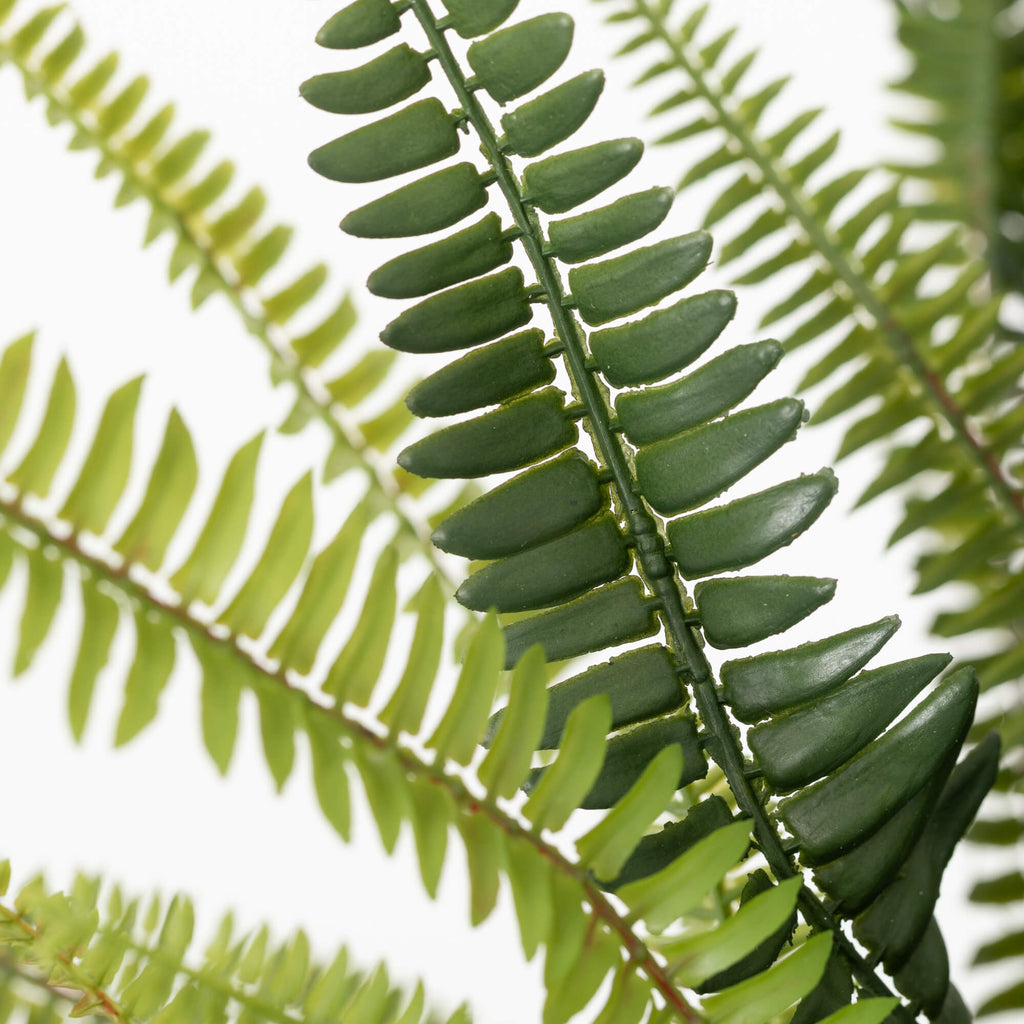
967, 63
586, 557
113, 957
222, 237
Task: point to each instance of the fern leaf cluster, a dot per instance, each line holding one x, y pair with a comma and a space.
124, 959
855, 798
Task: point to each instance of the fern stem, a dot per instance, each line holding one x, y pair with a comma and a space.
75, 979
649, 544
249, 305
177, 616
899, 341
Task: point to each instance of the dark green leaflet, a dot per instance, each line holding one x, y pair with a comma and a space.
576, 547
384, 81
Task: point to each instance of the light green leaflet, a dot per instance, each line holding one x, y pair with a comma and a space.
278, 566
104, 473
170, 487
605, 848
507, 763
581, 754
99, 623
14, 367
202, 573
465, 720
663, 897
35, 471
322, 595
151, 667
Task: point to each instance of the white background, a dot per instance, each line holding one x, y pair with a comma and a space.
156, 814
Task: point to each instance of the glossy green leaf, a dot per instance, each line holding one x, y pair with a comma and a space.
404, 711
515, 60
201, 574
529, 875
511, 437
558, 183
42, 598
605, 847
330, 777
475, 17
168, 492
462, 316
588, 235
416, 136
772, 682
278, 722
147, 677
14, 369
746, 530
630, 752
696, 958
624, 284
278, 566
468, 253
832, 816
35, 472
567, 781
759, 999
688, 469
224, 675
898, 919
610, 615
924, 977
386, 786
802, 745
544, 122
437, 201
104, 473
485, 858
500, 371
533, 507
388, 79
661, 898
552, 572
664, 341
507, 763
357, 668
100, 616
322, 595
358, 24
432, 811
640, 684
739, 611
465, 720
655, 413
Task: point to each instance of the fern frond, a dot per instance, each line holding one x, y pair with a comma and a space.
120, 958
222, 236
965, 74
605, 573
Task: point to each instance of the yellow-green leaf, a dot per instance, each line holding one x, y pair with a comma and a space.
35, 471
14, 367
507, 763
42, 597
606, 847
102, 478
355, 672
529, 874
100, 616
278, 566
564, 785
322, 596
465, 721
168, 493
151, 667
485, 857
202, 573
